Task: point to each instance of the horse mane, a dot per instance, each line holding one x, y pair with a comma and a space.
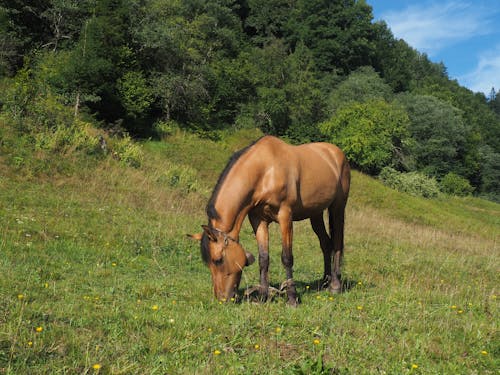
211, 210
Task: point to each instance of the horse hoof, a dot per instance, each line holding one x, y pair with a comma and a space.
337, 290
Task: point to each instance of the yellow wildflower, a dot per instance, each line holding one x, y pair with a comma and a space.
154, 307
217, 352
414, 366
39, 329
96, 367
316, 342
256, 346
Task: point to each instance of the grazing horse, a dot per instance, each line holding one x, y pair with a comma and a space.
271, 181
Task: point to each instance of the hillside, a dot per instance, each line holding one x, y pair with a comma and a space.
305, 70
99, 277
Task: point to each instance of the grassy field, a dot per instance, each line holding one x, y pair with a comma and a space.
97, 276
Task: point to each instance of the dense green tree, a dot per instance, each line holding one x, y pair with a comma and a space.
360, 86
373, 134
494, 101
267, 19
394, 58
439, 134
339, 33
25, 27
305, 99
283, 65
191, 52
490, 170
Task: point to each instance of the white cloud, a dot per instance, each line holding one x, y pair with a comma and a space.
486, 74
429, 27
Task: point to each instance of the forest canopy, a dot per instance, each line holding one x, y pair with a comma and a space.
307, 70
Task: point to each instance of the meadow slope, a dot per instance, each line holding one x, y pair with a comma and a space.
97, 276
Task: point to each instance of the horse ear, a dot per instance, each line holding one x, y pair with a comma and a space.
209, 233
196, 236
250, 258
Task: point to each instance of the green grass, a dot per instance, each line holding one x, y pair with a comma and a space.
100, 261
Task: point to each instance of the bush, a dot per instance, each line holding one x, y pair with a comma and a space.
372, 134
413, 183
453, 184
180, 176
128, 152
164, 129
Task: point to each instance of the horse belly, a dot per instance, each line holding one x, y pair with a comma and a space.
316, 192
308, 206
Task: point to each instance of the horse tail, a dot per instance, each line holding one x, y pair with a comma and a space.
336, 211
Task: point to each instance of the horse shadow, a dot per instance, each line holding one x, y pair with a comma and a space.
276, 291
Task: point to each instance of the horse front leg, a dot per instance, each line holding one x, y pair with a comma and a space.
261, 230
286, 226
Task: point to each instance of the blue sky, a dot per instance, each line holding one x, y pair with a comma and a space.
463, 34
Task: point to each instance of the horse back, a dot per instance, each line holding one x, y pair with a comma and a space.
308, 178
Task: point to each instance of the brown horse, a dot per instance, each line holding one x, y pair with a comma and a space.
271, 181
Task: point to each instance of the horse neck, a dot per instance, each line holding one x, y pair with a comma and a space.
232, 205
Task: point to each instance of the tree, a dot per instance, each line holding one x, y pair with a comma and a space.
339, 33
490, 173
305, 100
360, 86
373, 134
438, 131
494, 101
266, 20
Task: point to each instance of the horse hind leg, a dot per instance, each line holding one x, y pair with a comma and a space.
318, 225
336, 223
286, 227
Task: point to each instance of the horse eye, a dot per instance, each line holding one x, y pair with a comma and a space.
219, 261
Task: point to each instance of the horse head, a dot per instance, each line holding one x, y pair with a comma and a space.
226, 258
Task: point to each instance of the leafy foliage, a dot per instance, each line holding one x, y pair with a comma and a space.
454, 184
210, 66
372, 134
439, 133
413, 183
128, 152
362, 85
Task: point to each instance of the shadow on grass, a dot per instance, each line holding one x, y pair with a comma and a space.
278, 291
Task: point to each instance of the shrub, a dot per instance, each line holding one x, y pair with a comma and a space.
128, 152
413, 183
166, 128
453, 184
371, 134
180, 176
